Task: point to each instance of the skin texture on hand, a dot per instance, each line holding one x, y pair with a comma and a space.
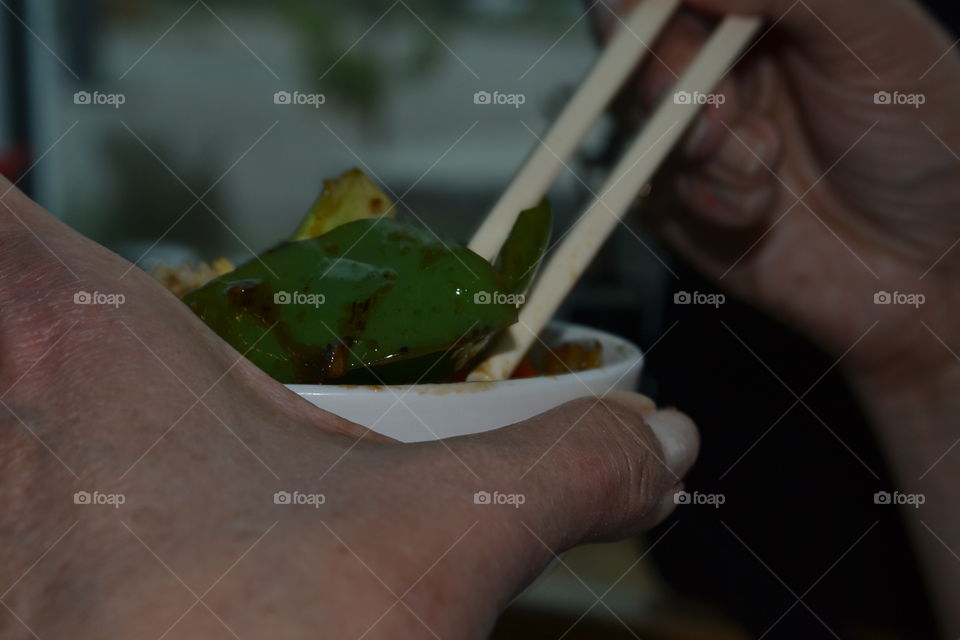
826, 185
140, 404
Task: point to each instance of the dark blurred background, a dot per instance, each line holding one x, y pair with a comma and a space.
199, 161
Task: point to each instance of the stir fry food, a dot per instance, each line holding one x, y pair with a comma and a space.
357, 297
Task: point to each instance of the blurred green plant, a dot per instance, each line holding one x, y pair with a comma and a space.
327, 32
362, 75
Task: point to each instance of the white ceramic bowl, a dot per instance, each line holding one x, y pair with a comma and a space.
415, 413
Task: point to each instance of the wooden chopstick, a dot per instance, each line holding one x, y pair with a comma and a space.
645, 155
624, 52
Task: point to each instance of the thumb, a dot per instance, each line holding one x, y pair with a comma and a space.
590, 470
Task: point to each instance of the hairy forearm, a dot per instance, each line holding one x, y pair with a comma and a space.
918, 424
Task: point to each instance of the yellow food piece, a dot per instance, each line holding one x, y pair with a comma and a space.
183, 279
223, 266
573, 357
352, 196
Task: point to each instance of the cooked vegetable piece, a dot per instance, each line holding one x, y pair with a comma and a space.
352, 196
573, 357
359, 298
370, 293
524, 370
524, 248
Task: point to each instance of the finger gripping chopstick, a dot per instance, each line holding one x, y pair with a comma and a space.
638, 165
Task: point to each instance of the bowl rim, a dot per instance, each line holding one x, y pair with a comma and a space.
629, 356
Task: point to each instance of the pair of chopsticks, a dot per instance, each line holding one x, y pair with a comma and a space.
646, 153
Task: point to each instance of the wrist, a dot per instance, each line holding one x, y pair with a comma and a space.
916, 423
914, 412
908, 360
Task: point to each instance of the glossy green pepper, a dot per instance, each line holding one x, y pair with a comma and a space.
372, 301
359, 298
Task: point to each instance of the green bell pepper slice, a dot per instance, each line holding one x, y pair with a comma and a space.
368, 294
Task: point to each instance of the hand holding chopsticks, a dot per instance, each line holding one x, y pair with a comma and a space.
644, 156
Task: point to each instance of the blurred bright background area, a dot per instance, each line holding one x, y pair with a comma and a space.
189, 146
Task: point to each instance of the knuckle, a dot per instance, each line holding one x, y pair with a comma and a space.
617, 455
